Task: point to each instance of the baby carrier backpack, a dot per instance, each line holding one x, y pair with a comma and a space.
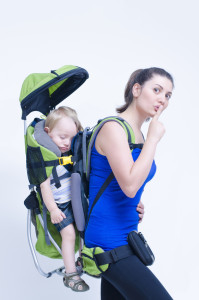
42, 92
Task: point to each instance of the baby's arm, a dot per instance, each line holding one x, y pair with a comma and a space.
56, 214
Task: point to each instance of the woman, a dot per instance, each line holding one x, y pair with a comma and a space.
147, 94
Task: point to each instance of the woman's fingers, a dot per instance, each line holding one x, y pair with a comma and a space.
140, 209
141, 218
158, 113
156, 128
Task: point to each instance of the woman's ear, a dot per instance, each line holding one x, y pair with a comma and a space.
46, 129
136, 90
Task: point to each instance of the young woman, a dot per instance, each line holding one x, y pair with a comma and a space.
147, 94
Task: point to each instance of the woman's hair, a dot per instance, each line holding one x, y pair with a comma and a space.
63, 111
141, 76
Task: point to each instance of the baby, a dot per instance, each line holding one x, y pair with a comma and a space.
62, 125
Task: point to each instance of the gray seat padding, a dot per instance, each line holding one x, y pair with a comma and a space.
43, 138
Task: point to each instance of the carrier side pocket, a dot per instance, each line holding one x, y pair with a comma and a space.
90, 265
35, 165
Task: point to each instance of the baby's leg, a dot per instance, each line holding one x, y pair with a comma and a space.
71, 279
68, 248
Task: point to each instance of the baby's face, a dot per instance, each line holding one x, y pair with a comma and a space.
63, 133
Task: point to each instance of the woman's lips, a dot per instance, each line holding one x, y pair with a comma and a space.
156, 108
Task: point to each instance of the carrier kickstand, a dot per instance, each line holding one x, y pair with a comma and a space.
32, 249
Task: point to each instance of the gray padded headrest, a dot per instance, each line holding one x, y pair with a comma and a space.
43, 138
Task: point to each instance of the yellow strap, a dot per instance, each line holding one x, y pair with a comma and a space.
65, 160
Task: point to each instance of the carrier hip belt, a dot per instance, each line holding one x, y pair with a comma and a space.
114, 255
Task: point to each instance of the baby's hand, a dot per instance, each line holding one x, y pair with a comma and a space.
57, 215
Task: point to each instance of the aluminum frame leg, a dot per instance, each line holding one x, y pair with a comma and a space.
58, 271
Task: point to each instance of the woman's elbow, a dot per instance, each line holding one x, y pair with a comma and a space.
129, 191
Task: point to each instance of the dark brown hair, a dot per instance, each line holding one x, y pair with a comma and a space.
141, 76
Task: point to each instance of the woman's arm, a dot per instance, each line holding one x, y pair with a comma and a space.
56, 214
112, 142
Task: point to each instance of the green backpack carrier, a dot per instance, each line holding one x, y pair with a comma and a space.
42, 92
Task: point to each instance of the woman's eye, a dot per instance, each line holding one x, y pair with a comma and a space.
168, 97
156, 90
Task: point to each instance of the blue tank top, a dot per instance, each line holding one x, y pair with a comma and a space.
114, 215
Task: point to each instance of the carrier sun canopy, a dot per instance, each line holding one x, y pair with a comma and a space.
43, 91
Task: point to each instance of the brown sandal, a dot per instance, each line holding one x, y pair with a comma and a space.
77, 285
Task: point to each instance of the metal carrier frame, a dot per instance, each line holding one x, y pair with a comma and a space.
66, 80
58, 271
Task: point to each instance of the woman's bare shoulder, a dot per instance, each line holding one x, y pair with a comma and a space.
110, 136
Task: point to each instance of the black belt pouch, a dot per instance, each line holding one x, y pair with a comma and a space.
141, 248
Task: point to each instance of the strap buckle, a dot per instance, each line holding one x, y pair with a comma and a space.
65, 160
114, 255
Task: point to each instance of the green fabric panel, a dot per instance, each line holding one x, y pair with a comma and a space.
25, 141
65, 69
41, 246
36, 80
89, 265
54, 87
33, 82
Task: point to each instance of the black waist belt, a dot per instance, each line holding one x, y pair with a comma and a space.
114, 255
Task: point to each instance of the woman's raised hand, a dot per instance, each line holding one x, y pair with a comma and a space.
156, 128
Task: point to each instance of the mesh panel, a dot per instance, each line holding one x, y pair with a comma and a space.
35, 166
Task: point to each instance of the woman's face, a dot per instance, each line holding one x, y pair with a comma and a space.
155, 92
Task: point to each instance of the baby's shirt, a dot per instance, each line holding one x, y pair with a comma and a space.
63, 193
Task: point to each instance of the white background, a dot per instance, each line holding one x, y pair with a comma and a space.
110, 39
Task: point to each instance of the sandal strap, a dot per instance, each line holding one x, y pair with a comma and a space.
70, 275
76, 282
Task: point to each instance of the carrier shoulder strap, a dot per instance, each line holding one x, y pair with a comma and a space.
131, 141
122, 122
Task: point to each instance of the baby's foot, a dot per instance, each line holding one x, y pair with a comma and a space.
75, 282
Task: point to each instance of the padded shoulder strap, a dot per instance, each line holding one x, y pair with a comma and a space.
122, 122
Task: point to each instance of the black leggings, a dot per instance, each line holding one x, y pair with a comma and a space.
129, 279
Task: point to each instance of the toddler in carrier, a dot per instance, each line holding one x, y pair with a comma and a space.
62, 125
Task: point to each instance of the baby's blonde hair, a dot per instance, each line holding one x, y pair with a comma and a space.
63, 111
